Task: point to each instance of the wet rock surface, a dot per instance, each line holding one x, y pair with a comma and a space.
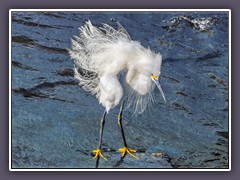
55, 124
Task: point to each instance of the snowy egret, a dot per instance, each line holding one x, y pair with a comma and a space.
117, 70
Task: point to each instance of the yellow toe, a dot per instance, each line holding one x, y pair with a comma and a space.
126, 150
97, 153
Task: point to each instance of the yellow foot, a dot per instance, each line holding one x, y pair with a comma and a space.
126, 150
97, 153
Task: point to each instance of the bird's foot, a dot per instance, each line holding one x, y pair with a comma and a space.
98, 153
126, 150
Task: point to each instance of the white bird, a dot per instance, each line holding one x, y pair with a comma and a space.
116, 70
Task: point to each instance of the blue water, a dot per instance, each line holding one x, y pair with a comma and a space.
55, 124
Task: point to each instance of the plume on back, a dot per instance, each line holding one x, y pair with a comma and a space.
98, 51
90, 50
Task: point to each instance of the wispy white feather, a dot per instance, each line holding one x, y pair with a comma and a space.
102, 51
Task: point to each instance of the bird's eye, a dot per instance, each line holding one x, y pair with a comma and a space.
154, 77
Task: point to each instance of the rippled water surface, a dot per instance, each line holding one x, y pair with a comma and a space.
55, 124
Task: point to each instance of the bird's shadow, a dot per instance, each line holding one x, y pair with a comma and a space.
119, 162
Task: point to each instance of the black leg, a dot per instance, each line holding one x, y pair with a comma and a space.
125, 150
98, 151
120, 123
102, 122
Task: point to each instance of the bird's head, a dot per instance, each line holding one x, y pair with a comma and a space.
145, 72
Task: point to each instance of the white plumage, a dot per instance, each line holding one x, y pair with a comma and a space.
112, 66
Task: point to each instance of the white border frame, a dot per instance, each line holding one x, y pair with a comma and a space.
116, 10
